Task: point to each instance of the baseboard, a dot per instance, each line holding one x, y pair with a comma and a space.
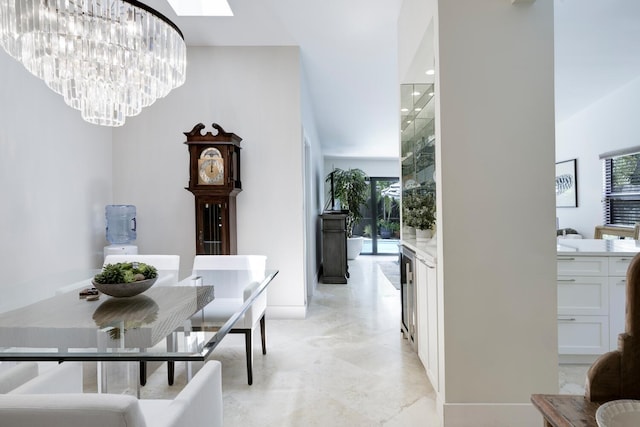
286, 312
491, 415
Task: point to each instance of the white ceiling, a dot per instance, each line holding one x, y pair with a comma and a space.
348, 50
597, 50
349, 55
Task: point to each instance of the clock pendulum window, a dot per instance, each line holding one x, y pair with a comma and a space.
214, 180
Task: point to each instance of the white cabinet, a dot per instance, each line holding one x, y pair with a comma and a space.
427, 310
582, 265
617, 304
583, 305
591, 303
422, 310
583, 335
433, 366
618, 266
617, 297
579, 295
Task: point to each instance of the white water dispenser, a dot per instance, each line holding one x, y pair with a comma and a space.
120, 230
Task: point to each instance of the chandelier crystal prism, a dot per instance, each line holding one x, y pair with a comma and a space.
107, 58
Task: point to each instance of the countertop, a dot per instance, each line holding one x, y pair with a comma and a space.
589, 247
427, 250
598, 247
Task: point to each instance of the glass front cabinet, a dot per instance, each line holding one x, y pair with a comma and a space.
417, 153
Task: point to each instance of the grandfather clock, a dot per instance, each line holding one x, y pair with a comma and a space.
214, 180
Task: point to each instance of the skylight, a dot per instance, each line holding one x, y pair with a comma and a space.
201, 7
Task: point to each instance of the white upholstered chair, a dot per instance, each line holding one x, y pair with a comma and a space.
168, 266
198, 404
229, 298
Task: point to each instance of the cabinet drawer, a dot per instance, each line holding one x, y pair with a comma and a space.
583, 334
583, 295
582, 265
333, 224
618, 265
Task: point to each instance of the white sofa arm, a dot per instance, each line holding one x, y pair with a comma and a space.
65, 410
198, 404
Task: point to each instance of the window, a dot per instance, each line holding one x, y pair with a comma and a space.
622, 189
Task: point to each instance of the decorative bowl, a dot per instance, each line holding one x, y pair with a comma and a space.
120, 290
619, 413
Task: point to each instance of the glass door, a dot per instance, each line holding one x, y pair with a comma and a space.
381, 217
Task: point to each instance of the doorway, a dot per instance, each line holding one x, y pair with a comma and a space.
380, 224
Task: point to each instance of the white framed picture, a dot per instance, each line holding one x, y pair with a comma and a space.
566, 184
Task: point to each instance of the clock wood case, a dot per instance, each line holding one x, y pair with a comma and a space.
214, 180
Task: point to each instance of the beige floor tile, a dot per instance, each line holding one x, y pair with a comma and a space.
346, 364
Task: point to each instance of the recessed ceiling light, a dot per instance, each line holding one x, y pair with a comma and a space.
404, 110
409, 121
430, 93
430, 72
416, 93
201, 7
418, 109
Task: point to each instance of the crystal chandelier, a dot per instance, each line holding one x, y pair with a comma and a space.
107, 58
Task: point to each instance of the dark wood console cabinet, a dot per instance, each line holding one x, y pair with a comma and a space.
334, 248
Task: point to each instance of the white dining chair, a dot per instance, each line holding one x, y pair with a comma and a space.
168, 266
229, 297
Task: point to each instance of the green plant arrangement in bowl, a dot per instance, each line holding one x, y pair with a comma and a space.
125, 279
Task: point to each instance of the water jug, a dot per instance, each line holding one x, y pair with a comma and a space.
121, 223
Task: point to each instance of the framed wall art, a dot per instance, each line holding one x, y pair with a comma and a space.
566, 184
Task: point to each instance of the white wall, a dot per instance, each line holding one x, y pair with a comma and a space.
606, 125
314, 178
55, 179
254, 93
496, 165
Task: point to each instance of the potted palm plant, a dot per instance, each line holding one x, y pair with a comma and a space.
350, 188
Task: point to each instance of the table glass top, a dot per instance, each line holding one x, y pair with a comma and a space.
69, 327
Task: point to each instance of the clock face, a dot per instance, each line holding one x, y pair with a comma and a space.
210, 152
210, 167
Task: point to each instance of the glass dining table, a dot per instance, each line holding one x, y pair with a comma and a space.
68, 327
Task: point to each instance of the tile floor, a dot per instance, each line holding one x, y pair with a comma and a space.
346, 364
